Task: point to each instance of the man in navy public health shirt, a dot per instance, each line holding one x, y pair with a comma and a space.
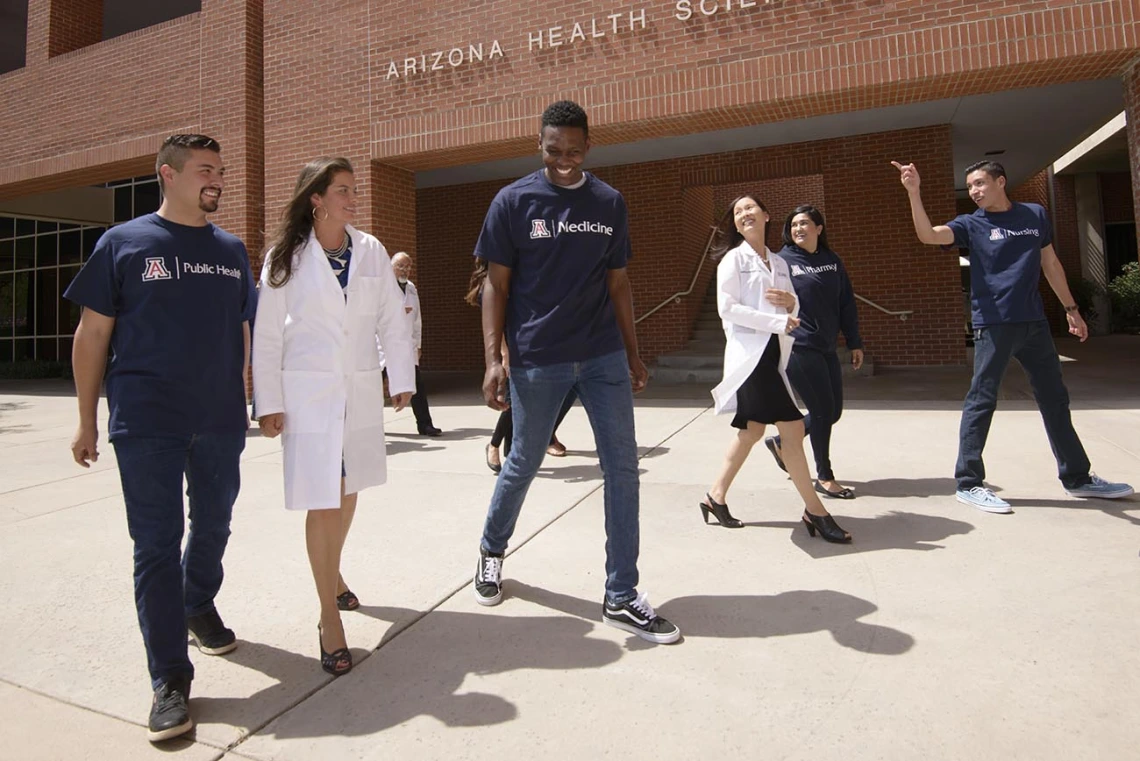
171, 295
557, 244
1010, 245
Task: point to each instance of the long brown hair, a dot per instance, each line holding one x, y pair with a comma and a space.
297, 218
727, 236
475, 284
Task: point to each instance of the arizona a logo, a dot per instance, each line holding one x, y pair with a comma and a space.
155, 269
538, 229
997, 234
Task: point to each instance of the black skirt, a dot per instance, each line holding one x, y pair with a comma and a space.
764, 398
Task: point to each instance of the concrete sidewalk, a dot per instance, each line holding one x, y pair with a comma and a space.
941, 633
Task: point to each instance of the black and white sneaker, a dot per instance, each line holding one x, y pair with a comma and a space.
489, 578
170, 711
210, 634
637, 617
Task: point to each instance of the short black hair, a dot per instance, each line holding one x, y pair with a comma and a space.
992, 168
176, 149
565, 113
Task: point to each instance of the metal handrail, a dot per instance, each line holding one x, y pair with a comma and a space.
902, 315
676, 297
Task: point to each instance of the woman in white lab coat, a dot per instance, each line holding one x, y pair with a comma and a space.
759, 309
327, 294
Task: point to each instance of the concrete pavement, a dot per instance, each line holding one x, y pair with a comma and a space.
942, 632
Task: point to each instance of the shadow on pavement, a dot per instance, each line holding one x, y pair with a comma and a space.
904, 487
892, 531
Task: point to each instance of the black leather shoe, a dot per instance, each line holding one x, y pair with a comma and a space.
826, 526
720, 512
430, 430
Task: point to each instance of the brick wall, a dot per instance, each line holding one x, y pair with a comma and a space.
1116, 197
885, 260
1132, 111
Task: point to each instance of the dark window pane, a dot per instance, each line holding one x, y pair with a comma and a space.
67, 226
69, 247
69, 310
22, 298
25, 253
24, 349
47, 301
5, 351
47, 227
7, 298
90, 237
146, 198
47, 349
7, 227
123, 203
46, 246
122, 16
25, 227
7, 255
65, 349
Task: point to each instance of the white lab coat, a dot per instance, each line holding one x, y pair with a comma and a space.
415, 321
314, 358
749, 319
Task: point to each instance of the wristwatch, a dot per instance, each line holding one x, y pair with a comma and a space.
1072, 308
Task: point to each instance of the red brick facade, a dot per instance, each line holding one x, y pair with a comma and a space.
405, 87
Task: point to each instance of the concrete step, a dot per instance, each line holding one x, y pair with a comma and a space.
692, 359
703, 376
709, 334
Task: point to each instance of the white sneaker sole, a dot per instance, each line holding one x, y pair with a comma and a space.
1128, 491
213, 650
998, 509
661, 639
487, 602
170, 734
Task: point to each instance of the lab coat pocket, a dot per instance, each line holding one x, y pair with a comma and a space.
366, 403
364, 295
309, 397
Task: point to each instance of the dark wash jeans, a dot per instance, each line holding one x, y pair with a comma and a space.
171, 584
818, 379
1032, 345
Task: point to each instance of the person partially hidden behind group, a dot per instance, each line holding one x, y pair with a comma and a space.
328, 294
759, 308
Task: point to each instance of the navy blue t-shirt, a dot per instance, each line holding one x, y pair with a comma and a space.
560, 244
179, 296
827, 300
1005, 262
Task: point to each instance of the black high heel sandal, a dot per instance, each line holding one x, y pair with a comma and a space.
826, 526
330, 662
720, 512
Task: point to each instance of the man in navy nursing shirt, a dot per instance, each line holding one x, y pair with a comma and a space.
557, 244
171, 295
1010, 245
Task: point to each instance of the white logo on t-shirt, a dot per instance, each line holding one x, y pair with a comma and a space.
538, 229
155, 269
996, 234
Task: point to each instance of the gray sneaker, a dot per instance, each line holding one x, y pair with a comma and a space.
1098, 487
983, 499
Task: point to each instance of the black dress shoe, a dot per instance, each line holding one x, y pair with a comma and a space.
430, 430
844, 493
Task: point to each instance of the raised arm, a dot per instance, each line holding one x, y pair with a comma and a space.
933, 235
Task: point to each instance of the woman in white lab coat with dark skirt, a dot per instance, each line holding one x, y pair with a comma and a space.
759, 309
327, 294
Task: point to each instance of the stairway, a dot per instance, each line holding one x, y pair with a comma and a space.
702, 360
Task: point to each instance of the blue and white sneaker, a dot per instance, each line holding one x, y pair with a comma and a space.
983, 499
1098, 487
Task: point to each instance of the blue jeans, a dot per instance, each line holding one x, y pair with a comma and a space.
537, 395
171, 584
1032, 345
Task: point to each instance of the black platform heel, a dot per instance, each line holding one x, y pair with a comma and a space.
720, 512
331, 662
826, 526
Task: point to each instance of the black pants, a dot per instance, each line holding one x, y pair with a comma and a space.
816, 377
1032, 344
504, 428
420, 405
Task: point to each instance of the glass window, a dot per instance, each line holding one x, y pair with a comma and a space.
65, 345
91, 236
47, 349
46, 227
6, 350
123, 205
7, 227
7, 255
13, 35
24, 349
47, 301
25, 227
22, 299
146, 198
70, 246
123, 16
25, 253
7, 304
68, 310
46, 246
